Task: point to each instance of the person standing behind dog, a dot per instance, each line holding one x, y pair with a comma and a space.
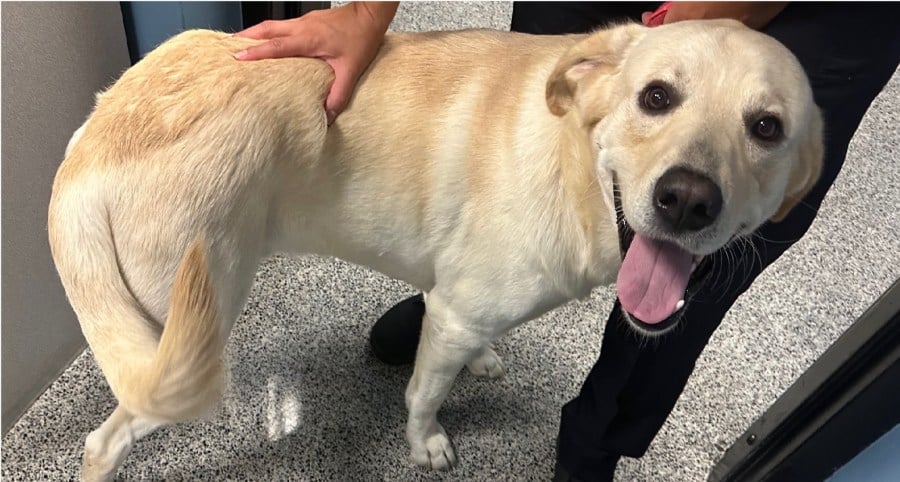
849, 52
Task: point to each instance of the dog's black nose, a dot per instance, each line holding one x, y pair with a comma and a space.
686, 200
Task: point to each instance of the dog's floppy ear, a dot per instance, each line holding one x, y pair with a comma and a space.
601, 52
807, 169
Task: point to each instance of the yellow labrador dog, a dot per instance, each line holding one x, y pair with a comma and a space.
502, 174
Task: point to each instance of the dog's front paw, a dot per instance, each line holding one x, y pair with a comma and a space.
93, 469
434, 452
488, 364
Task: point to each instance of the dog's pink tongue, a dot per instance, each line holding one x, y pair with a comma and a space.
653, 278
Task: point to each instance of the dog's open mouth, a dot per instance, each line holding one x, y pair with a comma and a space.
655, 280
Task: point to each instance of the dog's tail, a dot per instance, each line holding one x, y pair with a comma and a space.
169, 374
184, 377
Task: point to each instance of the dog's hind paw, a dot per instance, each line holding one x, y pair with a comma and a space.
487, 364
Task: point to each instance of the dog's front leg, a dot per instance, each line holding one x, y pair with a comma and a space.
446, 345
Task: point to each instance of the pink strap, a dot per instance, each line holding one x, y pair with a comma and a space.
656, 18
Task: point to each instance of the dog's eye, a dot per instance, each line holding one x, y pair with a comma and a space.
655, 98
767, 129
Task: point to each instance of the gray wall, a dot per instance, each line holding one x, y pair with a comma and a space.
55, 57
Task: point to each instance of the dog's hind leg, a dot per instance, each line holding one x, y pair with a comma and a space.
487, 364
106, 448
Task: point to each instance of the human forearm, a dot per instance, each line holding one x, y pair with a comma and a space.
380, 13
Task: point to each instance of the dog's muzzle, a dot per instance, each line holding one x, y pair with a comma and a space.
666, 256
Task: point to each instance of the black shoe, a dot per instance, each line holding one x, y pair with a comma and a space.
561, 475
395, 336
605, 469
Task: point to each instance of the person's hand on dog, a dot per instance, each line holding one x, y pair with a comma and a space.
755, 15
346, 37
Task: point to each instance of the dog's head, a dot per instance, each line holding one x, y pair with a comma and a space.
704, 130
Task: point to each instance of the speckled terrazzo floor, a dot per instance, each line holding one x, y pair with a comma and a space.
309, 402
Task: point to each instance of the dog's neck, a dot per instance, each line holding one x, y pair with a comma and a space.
587, 224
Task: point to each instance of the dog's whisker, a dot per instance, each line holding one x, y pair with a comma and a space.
776, 241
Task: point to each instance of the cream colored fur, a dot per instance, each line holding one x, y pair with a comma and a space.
475, 165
